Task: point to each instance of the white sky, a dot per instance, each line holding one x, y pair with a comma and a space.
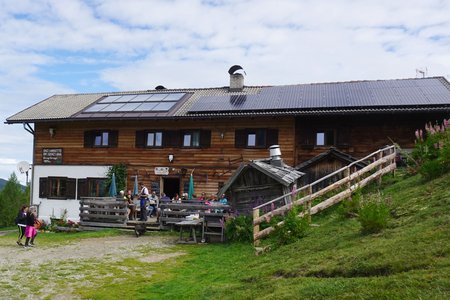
50, 47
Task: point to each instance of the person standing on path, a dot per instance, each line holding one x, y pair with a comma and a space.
21, 221
30, 230
143, 199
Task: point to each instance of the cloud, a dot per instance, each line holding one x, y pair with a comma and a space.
68, 46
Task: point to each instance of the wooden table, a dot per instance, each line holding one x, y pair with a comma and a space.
191, 225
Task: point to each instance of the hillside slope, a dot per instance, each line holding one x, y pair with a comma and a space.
408, 260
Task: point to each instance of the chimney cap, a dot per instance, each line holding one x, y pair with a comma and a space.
235, 68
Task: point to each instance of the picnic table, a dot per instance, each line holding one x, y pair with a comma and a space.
191, 226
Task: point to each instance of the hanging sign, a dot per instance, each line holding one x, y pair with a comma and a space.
161, 170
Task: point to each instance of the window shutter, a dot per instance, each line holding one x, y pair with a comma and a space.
43, 187
171, 138
141, 138
308, 139
272, 137
82, 190
343, 137
89, 139
329, 138
205, 138
71, 184
113, 138
240, 138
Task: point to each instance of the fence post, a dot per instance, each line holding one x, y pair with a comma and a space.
380, 167
255, 227
310, 190
349, 183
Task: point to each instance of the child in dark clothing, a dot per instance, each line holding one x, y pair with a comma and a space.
30, 230
21, 221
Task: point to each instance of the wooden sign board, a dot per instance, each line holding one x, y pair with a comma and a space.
52, 156
161, 170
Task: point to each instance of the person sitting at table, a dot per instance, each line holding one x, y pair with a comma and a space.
176, 198
153, 204
202, 197
131, 206
223, 199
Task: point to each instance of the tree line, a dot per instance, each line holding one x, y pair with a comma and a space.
12, 197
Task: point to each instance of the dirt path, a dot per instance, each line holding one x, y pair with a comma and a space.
14, 259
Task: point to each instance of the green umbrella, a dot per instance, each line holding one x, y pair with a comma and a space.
191, 187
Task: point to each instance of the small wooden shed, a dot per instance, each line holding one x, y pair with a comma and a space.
259, 181
324, 164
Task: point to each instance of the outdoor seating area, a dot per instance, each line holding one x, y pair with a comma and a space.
195, 215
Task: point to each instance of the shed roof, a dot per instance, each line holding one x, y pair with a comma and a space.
400, 95
285, 175
332, 152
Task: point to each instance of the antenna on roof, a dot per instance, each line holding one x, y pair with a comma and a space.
421, 72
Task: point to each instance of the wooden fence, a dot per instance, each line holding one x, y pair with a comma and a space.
106, 212
344, 182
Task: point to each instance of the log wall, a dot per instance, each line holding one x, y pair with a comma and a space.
213, 165
360, 134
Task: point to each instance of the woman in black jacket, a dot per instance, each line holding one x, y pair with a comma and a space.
21, 221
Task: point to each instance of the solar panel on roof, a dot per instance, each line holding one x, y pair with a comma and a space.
164, 106
136, 103
334, 96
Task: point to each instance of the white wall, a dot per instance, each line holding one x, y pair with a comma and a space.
55, 207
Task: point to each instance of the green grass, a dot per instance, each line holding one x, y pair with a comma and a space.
407, 260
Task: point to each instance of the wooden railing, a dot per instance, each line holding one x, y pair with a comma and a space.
343, 183
107, 212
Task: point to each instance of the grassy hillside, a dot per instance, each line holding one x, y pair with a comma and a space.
408, 260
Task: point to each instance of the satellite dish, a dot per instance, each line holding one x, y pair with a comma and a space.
23, 167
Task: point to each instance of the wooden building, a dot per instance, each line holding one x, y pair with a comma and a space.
161, 135
323, 164
260, 181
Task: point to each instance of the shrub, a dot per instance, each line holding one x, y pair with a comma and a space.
373, 216
239, 229
293, 228
432, 169
349, 208
431, 155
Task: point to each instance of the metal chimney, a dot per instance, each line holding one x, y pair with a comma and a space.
236, 79
275, 155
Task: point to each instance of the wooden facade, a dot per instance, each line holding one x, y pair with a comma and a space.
213, 165
355, 135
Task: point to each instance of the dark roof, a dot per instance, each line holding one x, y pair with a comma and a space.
285, 175
332, 152
380, 96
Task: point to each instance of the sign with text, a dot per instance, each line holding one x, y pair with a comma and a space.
161, 170
52, 156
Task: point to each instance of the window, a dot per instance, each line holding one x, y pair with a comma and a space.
191, 139
149, 139
57, 187
256, 138
154, 139
92, 187
325, 138
338, 137
100, 138
173, 138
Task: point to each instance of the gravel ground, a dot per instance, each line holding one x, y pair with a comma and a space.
17, 264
